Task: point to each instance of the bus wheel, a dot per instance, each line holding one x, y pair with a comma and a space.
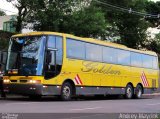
66, 91
129, 91
138, 91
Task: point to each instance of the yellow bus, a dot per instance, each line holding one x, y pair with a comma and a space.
58, 64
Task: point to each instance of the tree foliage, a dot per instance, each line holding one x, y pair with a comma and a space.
2, 13
77, 17
154, 8
87, 22
130, 27
24, 8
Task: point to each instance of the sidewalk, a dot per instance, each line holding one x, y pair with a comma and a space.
153, 95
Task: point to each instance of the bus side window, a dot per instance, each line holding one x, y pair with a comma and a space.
136, 59
155, 62
147, 61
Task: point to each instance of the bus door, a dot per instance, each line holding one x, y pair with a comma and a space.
53, 63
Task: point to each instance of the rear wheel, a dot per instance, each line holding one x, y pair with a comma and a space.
129, 92
138, 91
66, 91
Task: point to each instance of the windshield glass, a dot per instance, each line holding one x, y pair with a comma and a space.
26, 55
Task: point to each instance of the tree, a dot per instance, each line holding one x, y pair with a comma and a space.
131, 27
87, 22
70, 16
24, 8
154, 44
2, 13
154, 9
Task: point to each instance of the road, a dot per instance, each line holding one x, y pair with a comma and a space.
89, 105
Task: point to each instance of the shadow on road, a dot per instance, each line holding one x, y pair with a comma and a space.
79, 98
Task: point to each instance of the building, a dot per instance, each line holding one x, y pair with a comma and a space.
7, 23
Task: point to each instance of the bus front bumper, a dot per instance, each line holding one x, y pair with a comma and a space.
31, 89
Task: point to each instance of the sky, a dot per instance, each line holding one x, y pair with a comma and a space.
10, 10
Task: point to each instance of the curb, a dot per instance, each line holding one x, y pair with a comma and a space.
153, 94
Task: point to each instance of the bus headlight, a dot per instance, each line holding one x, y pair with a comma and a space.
34, 81
6, 81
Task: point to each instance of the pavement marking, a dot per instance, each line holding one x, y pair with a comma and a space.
90, 116
154, 104
22, 103
89, 108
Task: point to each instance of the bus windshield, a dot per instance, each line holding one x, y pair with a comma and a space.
26, 55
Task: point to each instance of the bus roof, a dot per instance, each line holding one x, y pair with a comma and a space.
91, 40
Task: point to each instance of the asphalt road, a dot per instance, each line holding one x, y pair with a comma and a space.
88, 106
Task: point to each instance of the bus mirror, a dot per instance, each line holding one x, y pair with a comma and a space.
1, 56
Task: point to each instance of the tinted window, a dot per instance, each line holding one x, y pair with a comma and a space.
147, 61
54, 68
109, 55
155, 63
60, 50
56, 42
93, 52
123, 57
75, 49
136, 59
51, 42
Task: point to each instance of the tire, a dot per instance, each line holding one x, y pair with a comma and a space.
66, 92
138, 91
129, 92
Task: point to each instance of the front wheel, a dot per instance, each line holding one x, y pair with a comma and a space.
129, 92
66, 91
138, 92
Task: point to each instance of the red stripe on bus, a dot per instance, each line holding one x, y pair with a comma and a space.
79, 79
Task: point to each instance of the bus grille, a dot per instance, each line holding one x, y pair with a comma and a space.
23, 81
13, 81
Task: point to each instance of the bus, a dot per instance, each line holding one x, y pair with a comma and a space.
58, 64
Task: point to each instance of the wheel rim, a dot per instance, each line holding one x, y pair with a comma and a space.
66, 92
139, 92
129, 92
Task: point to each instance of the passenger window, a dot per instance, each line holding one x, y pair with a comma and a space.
93, 52
136, 59
123, 57
147, 61
75, 49
109, 55
155, 63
